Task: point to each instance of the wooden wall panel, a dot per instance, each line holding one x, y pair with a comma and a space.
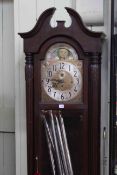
43, 5
7, 154
91, 11
8, 54
1, 59
1, 154
60, 13
27, 15
7, 95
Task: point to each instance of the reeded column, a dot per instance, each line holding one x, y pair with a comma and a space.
30, 112
94, 112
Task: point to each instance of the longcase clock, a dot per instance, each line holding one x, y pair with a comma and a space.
63, 67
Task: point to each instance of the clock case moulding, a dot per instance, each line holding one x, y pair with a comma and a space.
88, 45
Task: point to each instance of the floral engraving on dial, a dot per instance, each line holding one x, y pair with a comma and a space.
62, 80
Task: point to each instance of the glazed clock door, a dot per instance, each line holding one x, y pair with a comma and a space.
61, 75
63, 67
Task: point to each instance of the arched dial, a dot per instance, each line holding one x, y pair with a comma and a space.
62, 80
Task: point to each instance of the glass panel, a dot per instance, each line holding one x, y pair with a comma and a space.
62, 74
62, 142
74, 131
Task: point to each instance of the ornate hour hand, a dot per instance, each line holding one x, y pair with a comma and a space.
57, 81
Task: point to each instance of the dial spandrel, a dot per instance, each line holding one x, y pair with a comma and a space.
61, 75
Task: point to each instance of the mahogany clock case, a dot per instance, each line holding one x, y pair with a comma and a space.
82, 120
